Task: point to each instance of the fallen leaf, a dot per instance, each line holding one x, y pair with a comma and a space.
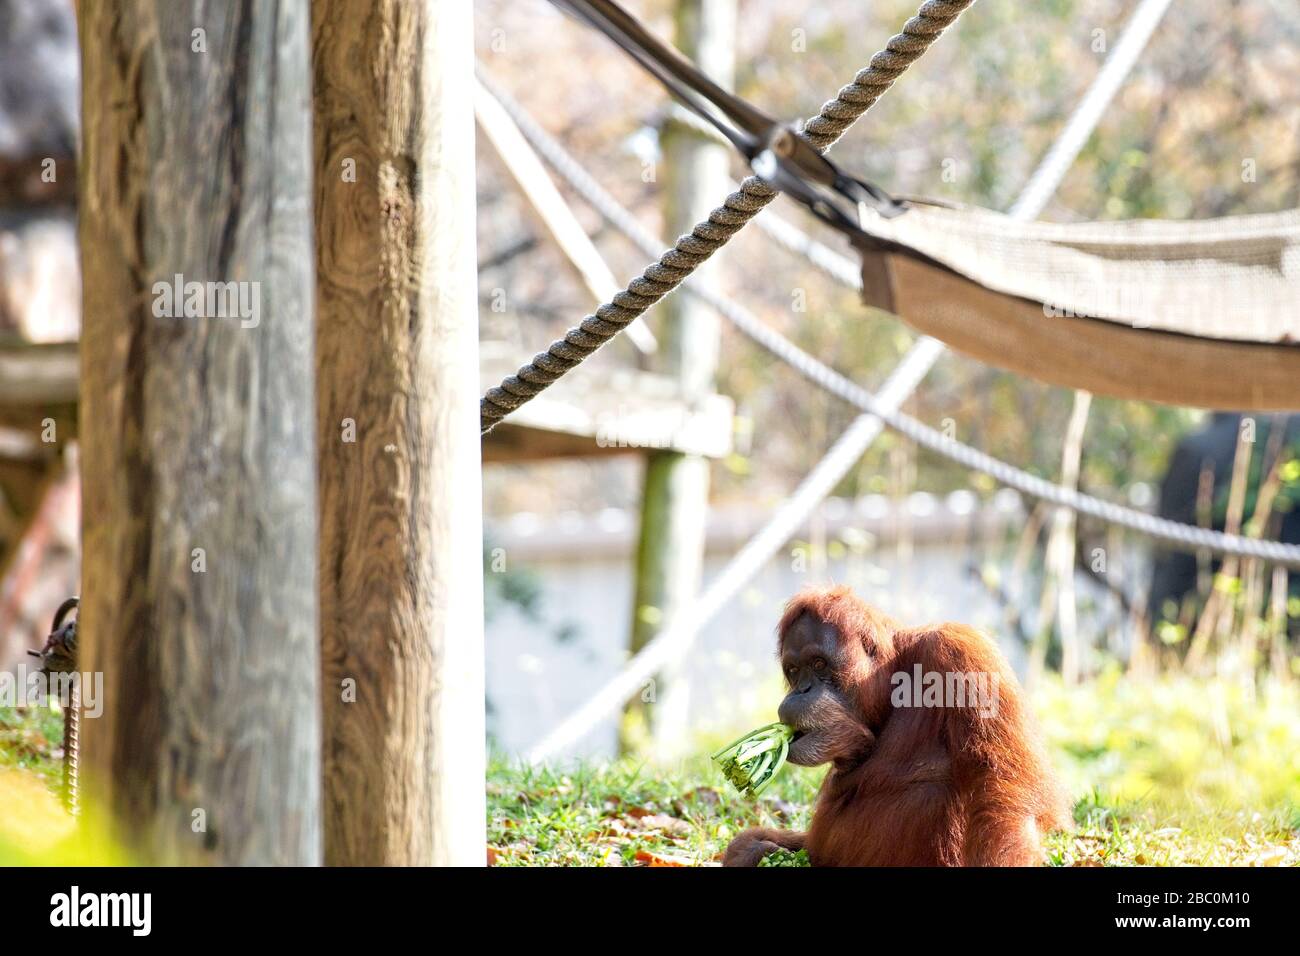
612, 828
781, 809
1270, 856
662, 859
704, 795
661, 821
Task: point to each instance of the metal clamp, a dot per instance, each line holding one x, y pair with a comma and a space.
775, 151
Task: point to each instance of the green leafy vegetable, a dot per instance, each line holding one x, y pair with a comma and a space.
785, 857
753, 761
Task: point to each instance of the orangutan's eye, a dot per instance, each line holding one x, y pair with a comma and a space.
819, 665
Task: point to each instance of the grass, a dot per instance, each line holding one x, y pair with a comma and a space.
31, 739
1169, 771
1176, 771
33, 824
624, 813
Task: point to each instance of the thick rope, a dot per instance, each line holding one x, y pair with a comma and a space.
691, 250
1181, 536
680, 633
847, 272
677, 638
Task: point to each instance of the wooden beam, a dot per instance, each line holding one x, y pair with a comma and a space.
551, 211
675, 498
572, 418
33, 373
397, 359
38, 385
576, 417
199, 528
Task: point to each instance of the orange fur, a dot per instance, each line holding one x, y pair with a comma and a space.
944, 785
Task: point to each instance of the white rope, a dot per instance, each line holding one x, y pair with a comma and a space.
529, 175
1185, 537
681, 632
1053, 167
841, 268
690, 251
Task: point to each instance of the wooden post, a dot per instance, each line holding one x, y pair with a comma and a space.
397, 425
676, 494
199, 527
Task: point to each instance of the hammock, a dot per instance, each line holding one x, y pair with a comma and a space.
1204, 313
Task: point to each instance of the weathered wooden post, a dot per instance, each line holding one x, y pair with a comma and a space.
199, 569
397, 426
675, 498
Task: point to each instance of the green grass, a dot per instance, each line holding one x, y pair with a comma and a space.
31, 739
624, 813
1165, 772
1169, 771
34, 828
1176, 771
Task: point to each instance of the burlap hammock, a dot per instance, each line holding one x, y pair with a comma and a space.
1203, 313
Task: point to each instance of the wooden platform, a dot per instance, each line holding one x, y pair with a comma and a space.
38, 382
601, 411
594, 411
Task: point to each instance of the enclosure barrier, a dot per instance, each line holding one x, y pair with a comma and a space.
680, 634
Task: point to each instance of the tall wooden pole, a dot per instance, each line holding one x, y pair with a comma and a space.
397, 361
199, 527
676, 493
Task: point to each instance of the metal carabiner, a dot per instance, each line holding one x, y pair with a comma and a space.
774, 151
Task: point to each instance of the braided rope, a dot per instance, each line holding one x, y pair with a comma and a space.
1181, 536
847, 272
693, 249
